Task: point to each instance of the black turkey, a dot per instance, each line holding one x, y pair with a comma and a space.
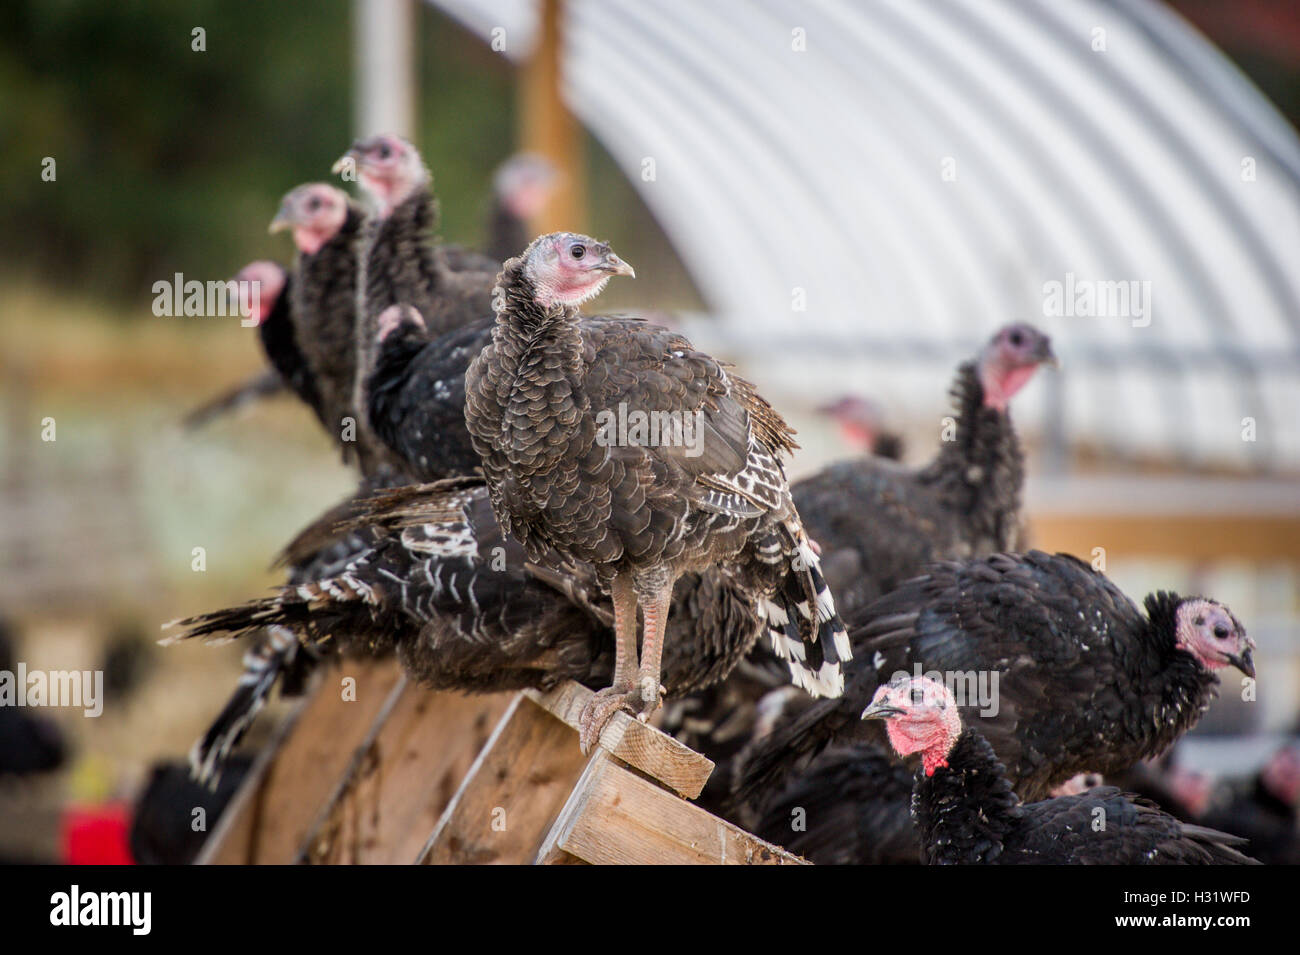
270, 308
1265, 809
521, 188
415, 394
861, 424
465, 609
967, 813
560, 411
1085, 682
878, 523
326, 228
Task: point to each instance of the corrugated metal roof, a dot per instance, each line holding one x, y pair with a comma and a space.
821, 170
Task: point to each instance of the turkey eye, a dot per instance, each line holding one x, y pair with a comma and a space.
1016, 338
1221, 631
384, 151
577, 251
314, 205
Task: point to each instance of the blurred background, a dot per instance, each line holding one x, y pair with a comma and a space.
844, 197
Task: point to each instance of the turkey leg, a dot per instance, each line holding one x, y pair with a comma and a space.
605, 703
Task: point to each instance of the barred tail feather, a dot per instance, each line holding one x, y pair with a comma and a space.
803, 626
264, 665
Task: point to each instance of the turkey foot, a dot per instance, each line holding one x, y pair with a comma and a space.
640, 699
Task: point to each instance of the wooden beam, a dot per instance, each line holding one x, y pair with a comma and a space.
405, 778
1185, 536
278, 804
511, 793
546, 125
616, 817
639, 745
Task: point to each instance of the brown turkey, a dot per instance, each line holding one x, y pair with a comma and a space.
967, 813
560, 411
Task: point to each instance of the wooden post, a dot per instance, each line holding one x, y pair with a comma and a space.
384, 32
547, 127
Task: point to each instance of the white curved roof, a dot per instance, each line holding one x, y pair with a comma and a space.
822, 170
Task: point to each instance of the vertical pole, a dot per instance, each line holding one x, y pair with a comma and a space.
384, 34
547, 127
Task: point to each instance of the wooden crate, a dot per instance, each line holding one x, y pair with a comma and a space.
400, 774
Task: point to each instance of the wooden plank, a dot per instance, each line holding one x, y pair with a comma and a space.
408, 775
616, 817
275, 810
639, 745
511, 794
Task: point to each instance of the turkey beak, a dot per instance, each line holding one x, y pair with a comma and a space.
283, 219
1046, 356
353, 155
881, 711
1245, 662
616, 266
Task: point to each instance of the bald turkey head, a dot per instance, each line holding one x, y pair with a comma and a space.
567, 269
259, 286
1010, 359
388, 167
524, 184
1208, 631
315, 212
920, 715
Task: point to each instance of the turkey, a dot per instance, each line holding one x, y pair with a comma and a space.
270, 309
465, 609
326, 228
851, 807
967, 813
1085, 682
861, 423
415, 394
879, 523
400, 263
1265, 809
548, 405
521, 188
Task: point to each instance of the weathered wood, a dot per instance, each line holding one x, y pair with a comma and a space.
639, 745
407, 775
511, 793
279, 804
615, 817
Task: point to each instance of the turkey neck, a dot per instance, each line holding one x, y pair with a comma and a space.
508, 234
399, 268
964, 812
540, 373
980, 474
1185, 688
